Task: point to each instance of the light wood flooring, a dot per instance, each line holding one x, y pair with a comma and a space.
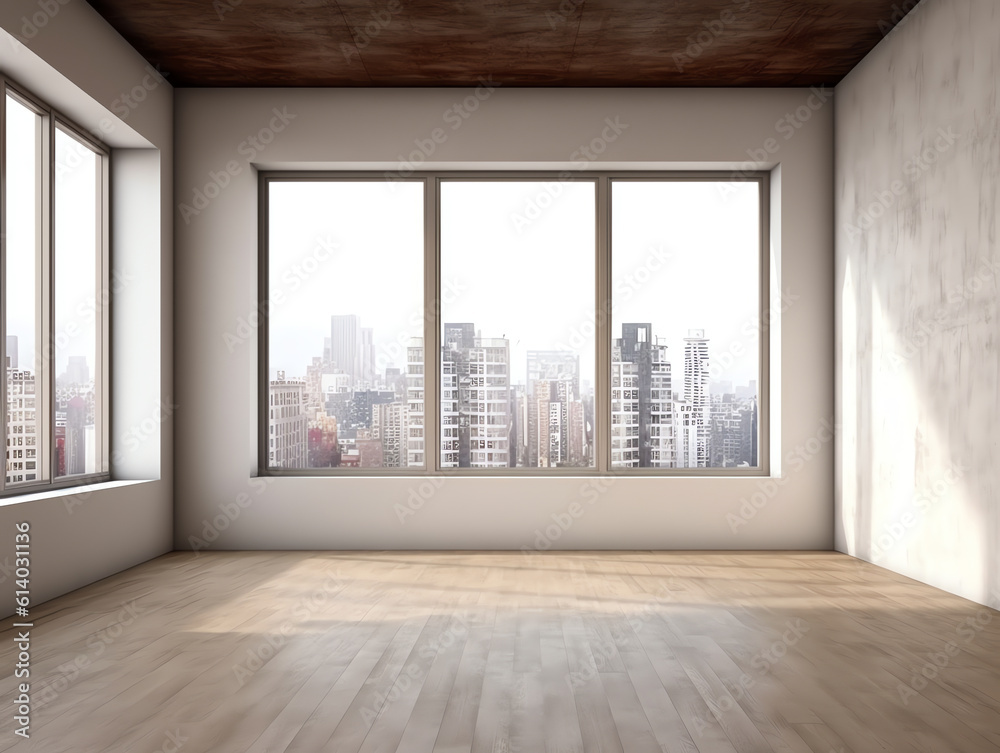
303, 652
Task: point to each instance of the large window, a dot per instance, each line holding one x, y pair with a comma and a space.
513, 323
54, 265
517, 356
685, 358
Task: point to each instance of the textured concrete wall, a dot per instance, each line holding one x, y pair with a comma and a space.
917, 135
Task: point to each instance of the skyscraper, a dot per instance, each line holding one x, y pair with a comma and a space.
477, 411
22, 427
554, 410
696, 379
389, 422
11, 351
345, 341
415, 403
642, 408
366, 356
77, 371
288, 443
76, 436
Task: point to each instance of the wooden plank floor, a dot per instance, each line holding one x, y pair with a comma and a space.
301, 652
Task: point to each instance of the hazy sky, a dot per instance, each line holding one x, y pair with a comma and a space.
76, 293
75, 234
344, 248
709, 279
517, 260
21, 230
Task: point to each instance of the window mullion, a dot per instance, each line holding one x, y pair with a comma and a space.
432, 325
602, 329
3, 274
45, 400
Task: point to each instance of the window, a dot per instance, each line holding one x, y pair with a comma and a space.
575, 324
686, 275
345, 319
54, 309
522, 287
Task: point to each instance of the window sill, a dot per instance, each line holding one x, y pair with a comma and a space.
84, 490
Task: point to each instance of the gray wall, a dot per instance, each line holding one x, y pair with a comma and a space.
917, 173
218, 497
69, 56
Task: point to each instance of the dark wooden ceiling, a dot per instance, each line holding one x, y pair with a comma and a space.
515, 42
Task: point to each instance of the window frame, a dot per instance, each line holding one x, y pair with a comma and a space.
603, 335
52, 121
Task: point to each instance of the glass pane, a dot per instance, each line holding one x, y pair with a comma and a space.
686, 337
21, 296
77, 311
346, 321
517, 309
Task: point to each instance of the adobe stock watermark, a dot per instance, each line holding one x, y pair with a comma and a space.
47, 10
785, 127
938, 661
713, 29
901, 15
455, 117
956, 297
280, 290
590, 492
249, 148
85, 315
751, 330
603, 652
914, 169
416, 670
582, 157
381, 18
229, 513
394, 349
97, 643
923, 502
561, 14
419, 496
763, 661
626, 285
129, 441
317, 599
795, 460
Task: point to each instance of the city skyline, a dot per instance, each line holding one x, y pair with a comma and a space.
345, 412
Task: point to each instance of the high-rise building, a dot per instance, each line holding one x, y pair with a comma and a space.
288, 439
415, 449
555, 365
76, 436
77, 371
696, 393
553, 396
366, 357
642, 408
389, 426
685, 435
478, 411
12, 352
324, 452
316, 374
22, 427
345, 343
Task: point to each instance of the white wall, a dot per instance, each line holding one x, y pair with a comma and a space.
216, 284
918, 357
67, 55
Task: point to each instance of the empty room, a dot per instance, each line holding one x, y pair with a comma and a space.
502, 376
